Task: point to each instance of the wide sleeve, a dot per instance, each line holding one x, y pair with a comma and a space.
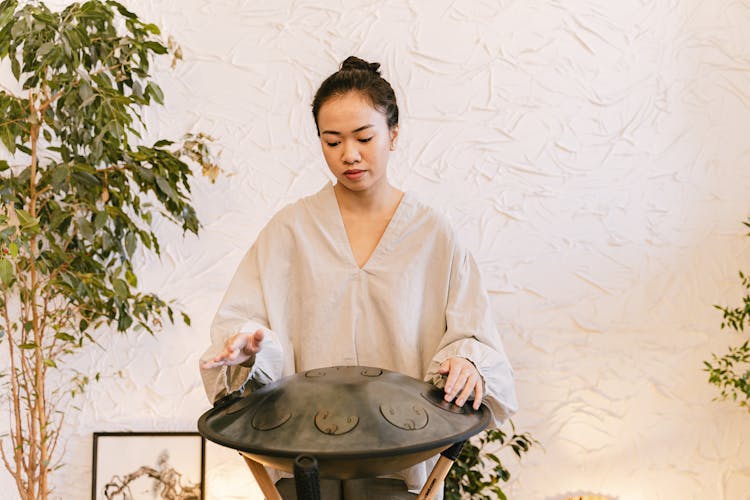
471, 333
243, 309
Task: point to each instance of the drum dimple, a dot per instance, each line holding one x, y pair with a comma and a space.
372, 372
406, 416
238, 406
335, 424
435, 396
268, 420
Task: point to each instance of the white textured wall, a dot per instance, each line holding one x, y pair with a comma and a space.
593, 153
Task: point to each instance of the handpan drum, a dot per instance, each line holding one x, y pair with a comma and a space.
357, 421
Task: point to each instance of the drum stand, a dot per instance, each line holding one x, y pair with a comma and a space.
307, 482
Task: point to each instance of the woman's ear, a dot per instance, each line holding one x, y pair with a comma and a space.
394, 135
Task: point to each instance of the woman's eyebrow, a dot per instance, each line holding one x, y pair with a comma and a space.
360, 129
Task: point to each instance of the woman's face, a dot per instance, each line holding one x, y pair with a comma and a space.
356, 141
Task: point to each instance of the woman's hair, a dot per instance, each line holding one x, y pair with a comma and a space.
358, 75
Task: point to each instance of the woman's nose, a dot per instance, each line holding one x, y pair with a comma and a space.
350, 153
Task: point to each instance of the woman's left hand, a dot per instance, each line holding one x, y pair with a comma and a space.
463, 380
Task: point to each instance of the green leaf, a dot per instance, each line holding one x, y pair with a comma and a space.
130, 243
88, 100
500, 494
65, 336
15, 66
44, 18
86, 229
6, 12
100, 220
131, 278
155, 47
166, 188
18, 28
26, 220
152, 28
123, 11
124, 321
155, 92
186, 319
27, 346
8, 138
45, 49
84, 90
50, 362
24, 217
120, 288
6, 272
59, 177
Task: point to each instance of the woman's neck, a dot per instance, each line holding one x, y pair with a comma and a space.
375, 200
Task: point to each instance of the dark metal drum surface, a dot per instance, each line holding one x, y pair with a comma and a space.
358, 421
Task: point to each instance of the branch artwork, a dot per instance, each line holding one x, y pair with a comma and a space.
167, 483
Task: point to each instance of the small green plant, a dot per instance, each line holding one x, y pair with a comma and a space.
731, 372
78, 191
479, 471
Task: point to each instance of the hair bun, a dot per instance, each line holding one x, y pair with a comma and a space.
355, 63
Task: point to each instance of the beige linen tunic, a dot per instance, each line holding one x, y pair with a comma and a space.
417, 301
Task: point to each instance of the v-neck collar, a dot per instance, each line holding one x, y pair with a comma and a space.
384, 244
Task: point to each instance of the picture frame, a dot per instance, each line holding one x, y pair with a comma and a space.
148, 465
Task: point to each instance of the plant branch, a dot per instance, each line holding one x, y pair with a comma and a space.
10, 122
17, 435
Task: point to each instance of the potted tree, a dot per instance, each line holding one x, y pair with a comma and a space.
731, 372
78, 192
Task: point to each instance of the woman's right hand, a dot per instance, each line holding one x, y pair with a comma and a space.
237, 349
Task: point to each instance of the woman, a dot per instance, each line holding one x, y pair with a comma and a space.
360, 273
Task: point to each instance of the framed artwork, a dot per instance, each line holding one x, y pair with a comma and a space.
148, 465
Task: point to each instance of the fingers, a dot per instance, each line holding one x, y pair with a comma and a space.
463, 381
468, 388
207, 365
454, 370
478, 394
237, 349
238, 346
252, 345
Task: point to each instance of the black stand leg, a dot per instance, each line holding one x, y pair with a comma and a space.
306, 478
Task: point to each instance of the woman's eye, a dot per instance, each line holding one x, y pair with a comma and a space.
366, 140
332, 144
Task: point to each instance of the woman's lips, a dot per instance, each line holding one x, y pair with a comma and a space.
354, 174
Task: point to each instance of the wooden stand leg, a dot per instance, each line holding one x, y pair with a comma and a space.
264, 480
440, 471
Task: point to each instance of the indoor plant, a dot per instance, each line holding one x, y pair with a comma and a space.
478, 471
77, 196
731, 372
